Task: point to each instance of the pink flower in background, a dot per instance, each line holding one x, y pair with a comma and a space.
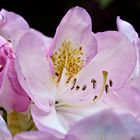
14, 102
12, 27
78, 80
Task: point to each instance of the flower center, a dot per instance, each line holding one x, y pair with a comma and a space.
85, 94
67, 59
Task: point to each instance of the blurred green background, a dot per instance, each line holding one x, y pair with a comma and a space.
45, 15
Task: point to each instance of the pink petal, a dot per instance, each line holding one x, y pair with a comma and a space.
103, 43
4, 132
76, 27
12, 26
37, 135
33, 69
127, 29
45, 120
109, 39
111, 60
132, 35
9, 99
127, 97
12, 75
106, 125
2, 41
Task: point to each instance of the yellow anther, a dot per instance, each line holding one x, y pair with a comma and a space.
69, 58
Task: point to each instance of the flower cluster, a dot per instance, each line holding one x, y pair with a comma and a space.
78, 85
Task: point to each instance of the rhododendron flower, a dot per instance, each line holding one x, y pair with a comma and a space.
67, 80
106, 124
12, 96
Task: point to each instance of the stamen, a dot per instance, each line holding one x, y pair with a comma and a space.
106, 88
56, 102
95, 97
74, 82
56, 74
80, 48
84, 87
110, 83
69, 59
105, 73
72, 87
77, 87
93, 81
